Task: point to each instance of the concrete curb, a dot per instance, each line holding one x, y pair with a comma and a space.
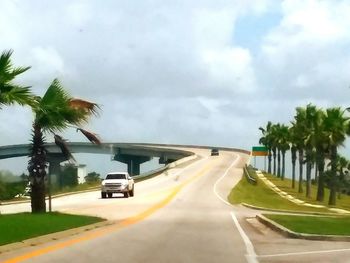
288, 233
288, 211
54, 196
53, 236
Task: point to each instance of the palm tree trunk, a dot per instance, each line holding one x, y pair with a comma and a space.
274, 162
37, 170
294, 158
283, 164
300, 189
308, 179
320, 186
269, 162
278, 163
316, 173
341, 182
333, 186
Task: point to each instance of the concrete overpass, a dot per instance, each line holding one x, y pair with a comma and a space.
131, 154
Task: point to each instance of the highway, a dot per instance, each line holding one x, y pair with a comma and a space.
179, 216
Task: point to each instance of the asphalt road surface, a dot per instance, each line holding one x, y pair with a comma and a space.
179, 216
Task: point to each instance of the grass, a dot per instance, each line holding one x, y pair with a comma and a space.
263, 196
286, 186
314, 224
18, 227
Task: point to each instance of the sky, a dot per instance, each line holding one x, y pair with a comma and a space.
205, 72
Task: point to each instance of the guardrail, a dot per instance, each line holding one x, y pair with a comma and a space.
249, 178
161, 169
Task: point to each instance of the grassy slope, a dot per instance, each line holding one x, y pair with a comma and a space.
18, 227
286, 185
261, 195
314, 225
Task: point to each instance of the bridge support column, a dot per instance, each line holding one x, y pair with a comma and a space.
132, 161
165, 160
54, 170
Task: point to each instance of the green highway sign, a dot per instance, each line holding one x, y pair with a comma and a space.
259, 151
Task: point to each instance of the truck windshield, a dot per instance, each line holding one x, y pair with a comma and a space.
115, 176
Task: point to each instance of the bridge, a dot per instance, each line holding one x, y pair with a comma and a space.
132, 154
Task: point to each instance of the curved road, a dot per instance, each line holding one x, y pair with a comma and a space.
179, 216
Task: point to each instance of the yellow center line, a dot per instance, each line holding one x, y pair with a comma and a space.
126, 222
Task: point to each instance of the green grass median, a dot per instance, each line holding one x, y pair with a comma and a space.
314, 224
18, 227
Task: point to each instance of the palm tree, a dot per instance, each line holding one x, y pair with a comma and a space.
54, 112
342, 163
292, 139
299, 130
11, 93
311, 136
283, 142
277, 138
321, 142
267, 142
336, 125
274, 148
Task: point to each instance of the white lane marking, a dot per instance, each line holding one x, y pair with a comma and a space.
305, 253
251, 255
222, 177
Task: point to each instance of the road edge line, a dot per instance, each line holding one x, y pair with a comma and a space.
251, 255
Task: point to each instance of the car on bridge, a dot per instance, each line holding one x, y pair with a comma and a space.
117, 182
214, 152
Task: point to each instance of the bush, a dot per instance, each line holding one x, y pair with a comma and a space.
92, 178
10, 190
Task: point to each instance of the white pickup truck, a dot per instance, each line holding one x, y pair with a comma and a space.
118, 182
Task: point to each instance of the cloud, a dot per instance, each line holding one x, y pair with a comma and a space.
306, 54
173, 71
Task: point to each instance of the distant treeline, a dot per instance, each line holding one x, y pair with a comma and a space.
11, 184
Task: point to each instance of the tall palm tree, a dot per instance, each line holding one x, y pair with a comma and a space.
284, 146
321, 144
11, 93
278, 141
342, 163
336, 125
267, 142
311, 136
299, 124
274, 148
293, 139
54, 112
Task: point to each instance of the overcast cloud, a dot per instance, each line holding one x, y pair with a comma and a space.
192, 72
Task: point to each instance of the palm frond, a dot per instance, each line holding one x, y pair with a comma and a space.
60, 142
90, 136
7, 72
5, 65
10, 94
85, 105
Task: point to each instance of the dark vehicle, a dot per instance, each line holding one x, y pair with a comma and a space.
214, 152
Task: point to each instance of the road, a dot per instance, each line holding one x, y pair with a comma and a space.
179, 216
